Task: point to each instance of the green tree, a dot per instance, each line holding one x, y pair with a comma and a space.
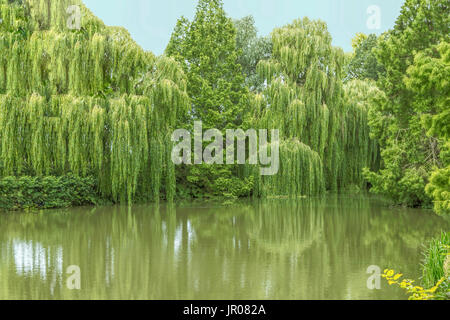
207, 50
323, 125
408, 152
358, 40
253, 49
88, 102
428, 80
363, 64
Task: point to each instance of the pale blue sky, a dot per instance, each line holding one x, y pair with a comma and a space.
151, 22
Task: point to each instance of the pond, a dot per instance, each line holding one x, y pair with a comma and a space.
271, 249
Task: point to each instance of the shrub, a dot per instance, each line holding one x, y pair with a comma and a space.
47, 192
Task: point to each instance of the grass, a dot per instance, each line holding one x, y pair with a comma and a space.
435, 258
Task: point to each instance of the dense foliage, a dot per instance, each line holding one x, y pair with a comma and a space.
89, 102
206, 49
411, 121
363, 63
253, 49
323, 123
47, 192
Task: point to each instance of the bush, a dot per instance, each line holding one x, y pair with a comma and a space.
403, 187
47, 192
213, 181
234, 187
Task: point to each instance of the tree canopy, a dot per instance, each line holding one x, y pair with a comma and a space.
253, 50
406, 121
87, 102
206, 50
363, 63
324, 129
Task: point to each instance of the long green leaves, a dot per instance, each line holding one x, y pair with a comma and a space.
324, 124
86, 103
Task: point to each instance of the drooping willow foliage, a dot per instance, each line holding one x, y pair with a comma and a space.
91, 102
361, 150
46, 15
87, 102
324, 124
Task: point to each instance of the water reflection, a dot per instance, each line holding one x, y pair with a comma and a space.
273, 249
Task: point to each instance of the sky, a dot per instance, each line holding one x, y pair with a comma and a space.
151, 22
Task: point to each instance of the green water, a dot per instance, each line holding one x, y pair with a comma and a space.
274, 249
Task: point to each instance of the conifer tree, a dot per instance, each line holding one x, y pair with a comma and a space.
206, 49
410, 150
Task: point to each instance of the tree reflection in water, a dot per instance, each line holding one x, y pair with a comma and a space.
272, 249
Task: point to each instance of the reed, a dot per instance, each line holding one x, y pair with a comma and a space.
435, 258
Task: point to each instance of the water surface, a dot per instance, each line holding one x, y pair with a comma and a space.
272, 249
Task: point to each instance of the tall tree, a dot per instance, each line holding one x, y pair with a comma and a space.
428, 80
253, 49
363, 63
324, 131
206, 49
87, 102
408, 152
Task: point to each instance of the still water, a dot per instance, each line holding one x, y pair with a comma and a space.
272, 249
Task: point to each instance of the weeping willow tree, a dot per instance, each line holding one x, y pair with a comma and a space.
326, 136
361, 149
85, 102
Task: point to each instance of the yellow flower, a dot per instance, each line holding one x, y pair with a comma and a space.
440, 282
398, 276
405, 284
416, 292
432, 290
